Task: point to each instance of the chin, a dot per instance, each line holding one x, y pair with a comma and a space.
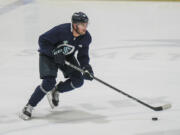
83, 33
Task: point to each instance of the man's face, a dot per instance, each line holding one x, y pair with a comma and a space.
81, 28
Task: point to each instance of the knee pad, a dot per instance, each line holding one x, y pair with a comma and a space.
48, 84
77, 83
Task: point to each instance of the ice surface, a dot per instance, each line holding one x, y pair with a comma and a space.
136, 48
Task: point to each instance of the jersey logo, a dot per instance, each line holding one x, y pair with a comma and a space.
66, 48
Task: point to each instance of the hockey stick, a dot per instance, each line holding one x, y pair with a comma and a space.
159, 108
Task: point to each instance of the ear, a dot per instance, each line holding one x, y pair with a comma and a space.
74, 26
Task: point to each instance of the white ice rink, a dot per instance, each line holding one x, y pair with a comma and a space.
136, 48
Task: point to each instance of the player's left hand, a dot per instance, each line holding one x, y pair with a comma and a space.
89, 74
59, 57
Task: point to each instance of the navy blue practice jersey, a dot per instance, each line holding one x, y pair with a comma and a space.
62, 35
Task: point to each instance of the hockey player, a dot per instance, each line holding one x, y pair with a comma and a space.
57, 45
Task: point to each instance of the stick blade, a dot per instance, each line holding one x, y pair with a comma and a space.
167, 106
164, 107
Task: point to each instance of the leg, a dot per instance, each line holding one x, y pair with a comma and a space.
75, 81
47, 85
48, 72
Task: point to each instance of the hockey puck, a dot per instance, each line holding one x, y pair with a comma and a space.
154, 118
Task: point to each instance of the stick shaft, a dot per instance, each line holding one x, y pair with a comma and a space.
160, 108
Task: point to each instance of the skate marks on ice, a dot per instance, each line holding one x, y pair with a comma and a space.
123, 104
150, 55
8, 119
136, 55
71, 116
174, 56
105, 112
102, 112
27, 52
141, 50
87, 112
163, 132
10, 123
131, 103
13, 5
65, 115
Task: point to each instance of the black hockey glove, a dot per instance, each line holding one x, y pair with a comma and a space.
59, 57
89, 74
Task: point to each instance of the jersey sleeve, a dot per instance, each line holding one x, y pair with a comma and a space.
48, 40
